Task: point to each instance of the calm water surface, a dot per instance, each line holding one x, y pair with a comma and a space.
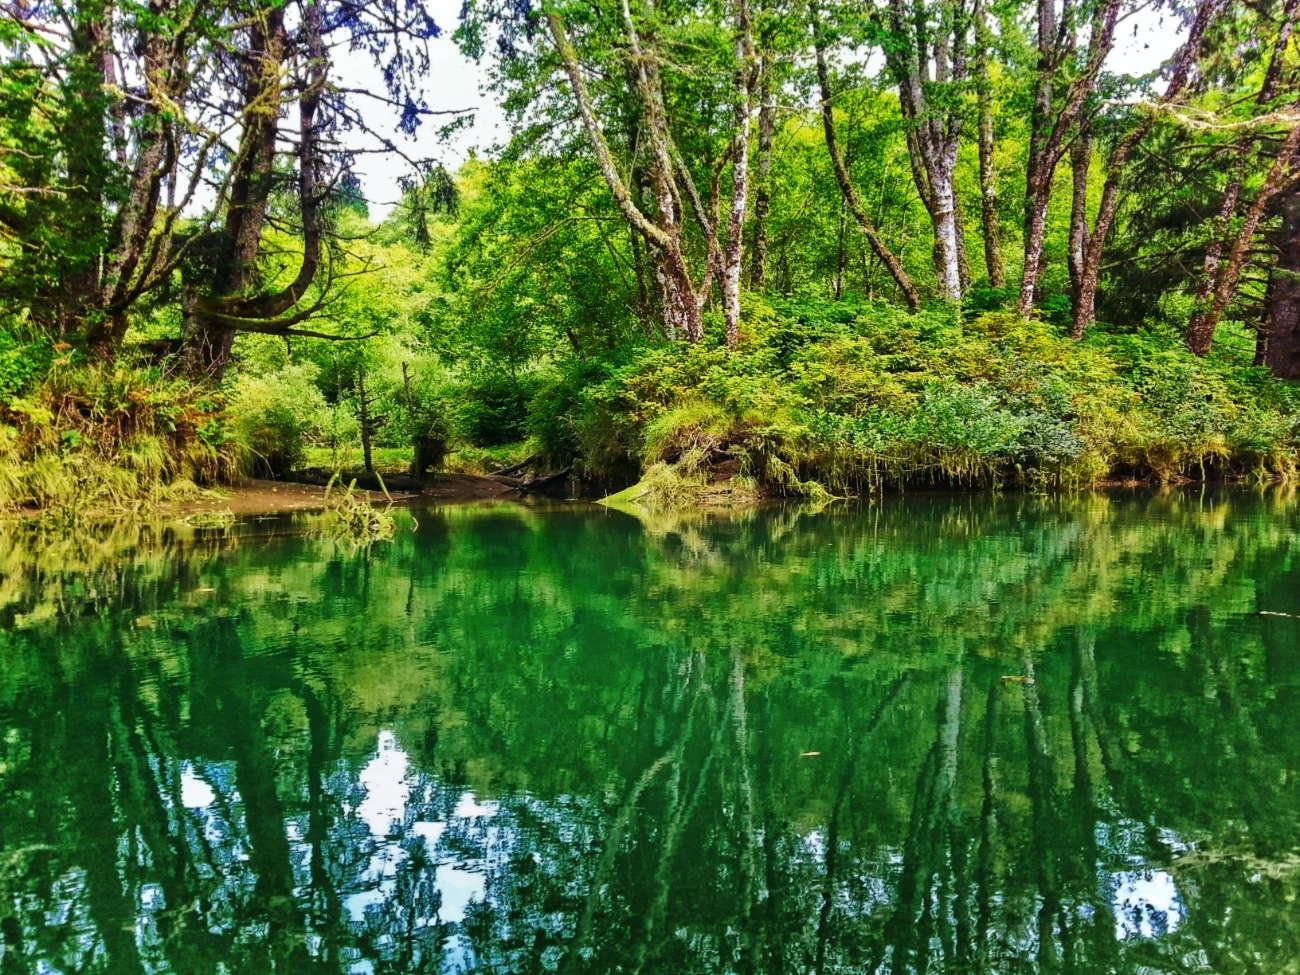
943, 735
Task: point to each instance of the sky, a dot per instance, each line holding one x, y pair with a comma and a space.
453, 82
1143, 42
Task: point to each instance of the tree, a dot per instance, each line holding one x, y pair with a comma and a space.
671, 184
924, 44
1181, 69
1219, 278
993, 262
1279, 345
134, 108
845, 182
1065, 75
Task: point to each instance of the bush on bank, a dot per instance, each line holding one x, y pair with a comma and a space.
844, 398
79, 435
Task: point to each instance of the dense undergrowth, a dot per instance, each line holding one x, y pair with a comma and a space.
845, 398
79, 436
820, 399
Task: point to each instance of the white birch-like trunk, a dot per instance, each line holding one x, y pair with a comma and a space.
739, 178
946, 230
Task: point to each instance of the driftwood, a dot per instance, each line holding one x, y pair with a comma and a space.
533, 483
515, 470
539, 485
370, 481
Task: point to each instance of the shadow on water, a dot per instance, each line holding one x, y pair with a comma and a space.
928, 735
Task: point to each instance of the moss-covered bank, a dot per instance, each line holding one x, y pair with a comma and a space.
820, 398
847, 398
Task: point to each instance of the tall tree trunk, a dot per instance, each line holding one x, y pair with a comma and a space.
1205, 288
1080, 163
988, 174
1201, 335
922, 59
837, 284
849, 192
1041, 165
743, 51
763, 182
1200, 330
1282, 306
679, 303
1048, 129
82, 136
208, 341
963, 262
166, 78
948, 256
677, 299
1183, 62
365, 421
1035, 231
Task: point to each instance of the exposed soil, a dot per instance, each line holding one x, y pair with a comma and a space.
258, 497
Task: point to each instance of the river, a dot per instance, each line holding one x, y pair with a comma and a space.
932, 733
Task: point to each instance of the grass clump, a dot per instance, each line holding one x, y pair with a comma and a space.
487, 460
350, 514
221, 519
86, 436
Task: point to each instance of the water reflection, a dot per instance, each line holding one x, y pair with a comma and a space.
936, 735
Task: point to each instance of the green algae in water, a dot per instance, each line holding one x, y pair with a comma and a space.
947, 734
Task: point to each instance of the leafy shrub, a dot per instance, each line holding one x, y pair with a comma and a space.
275, 414
22, 363
850, 397
492, 409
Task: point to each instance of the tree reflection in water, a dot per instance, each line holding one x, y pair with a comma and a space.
934, 735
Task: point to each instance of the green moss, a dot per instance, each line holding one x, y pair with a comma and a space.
91, 437
829, 398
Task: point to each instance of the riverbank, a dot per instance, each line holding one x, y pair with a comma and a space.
254, 497
837, 399
818, 400
257, 496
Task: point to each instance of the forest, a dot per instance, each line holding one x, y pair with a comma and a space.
727, 250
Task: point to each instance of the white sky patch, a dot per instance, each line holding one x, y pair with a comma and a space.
195, 793
383, 810
1146, 904
1145, 41
387, 791
453, 82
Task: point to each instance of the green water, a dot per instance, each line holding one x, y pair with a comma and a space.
934, 734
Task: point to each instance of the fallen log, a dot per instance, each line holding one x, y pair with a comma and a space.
368, 480
514, 470
536, 485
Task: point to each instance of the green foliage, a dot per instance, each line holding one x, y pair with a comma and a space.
492, 409
841, 397
22, 362
487, 460
92, 437
275, 414
509, 311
